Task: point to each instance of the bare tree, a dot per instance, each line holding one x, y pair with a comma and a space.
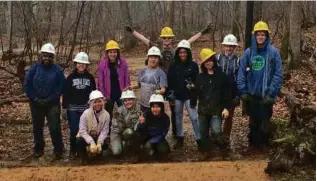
128, 41
295, 35
236, 19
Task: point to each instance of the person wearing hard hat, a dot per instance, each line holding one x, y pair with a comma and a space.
43, 86
151, 79
93, 127
260, 78
79, 84
124, 124
153, 127
228, 62
113, 75
213, 91
181, 78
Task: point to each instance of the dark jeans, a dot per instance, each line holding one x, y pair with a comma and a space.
259, 119
210, 130
52, 113
160, 149
173, 118
73, 122
227, 127
82, 147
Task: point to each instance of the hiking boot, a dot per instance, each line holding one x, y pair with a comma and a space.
58, 156
38, 154
179, 144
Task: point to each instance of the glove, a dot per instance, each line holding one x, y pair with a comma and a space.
128, 29
206, 30
99, 148
225, 113
93, 148
245, 97
268, 101
236, 101
64, 114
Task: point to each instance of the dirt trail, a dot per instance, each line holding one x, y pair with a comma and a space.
225, 170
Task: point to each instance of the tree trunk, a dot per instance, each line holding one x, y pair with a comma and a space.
285, 39
10, 23
258, 11
70, 55
169, 18
294, 36
248, 24
235, 19
128, 40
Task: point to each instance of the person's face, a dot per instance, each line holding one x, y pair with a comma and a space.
229, 49
128, 103
183, 54
153, 61
156, 109
209, 64
112, 54
98, 104
81, 67
167, 41
46, 58
260, 37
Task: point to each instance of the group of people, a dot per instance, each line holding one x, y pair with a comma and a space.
141, 124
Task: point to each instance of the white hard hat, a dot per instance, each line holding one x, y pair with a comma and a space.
128, 94
81, 57
154, 51
48, 48
156, 98
184, 44
230, 39
95, 95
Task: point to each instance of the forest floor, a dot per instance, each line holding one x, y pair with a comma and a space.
16, 143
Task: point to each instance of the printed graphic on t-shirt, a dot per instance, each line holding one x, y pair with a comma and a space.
81, 83
258, 62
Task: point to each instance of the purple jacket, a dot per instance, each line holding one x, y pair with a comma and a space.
104, 76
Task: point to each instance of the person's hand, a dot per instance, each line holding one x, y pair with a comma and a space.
93, 148
64, 114
245, 97
267, 100
141, 118
206, 29
225, 113
128, 29
99, 148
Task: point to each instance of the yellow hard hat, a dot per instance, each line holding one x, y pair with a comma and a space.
112, 45
167, 32
261, 26
206, 53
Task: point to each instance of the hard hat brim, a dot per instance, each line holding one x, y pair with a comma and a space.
167, 36
208, 57
79, 61
128, 97
47, 52
227, 43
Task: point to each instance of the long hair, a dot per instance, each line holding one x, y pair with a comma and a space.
203, 67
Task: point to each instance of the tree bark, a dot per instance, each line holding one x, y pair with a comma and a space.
285, 39
294, 36
169, 18
248, 24
235, 19
128, 40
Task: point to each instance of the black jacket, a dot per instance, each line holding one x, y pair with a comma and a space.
213, 93
77, 89
179, 74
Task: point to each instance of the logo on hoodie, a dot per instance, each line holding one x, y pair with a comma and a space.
258, 63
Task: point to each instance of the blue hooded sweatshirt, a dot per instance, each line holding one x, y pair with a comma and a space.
44, 82
265, 75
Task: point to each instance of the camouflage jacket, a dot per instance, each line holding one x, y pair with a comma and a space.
124, 119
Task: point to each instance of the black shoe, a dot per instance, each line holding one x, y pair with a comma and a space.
72, 155
58, 156
38, 154
179, 144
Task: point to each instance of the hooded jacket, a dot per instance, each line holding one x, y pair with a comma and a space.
104, 81
265, 76
180, 73
154, 128
44, 82
90, 120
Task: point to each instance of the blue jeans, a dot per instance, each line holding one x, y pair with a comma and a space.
179, 106
209, 126
73, 123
